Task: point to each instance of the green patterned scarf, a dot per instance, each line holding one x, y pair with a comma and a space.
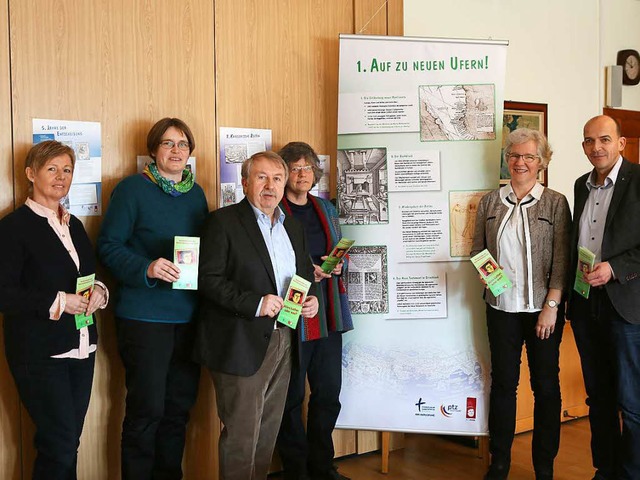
169, 186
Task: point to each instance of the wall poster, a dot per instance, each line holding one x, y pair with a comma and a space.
236, 145
85, 194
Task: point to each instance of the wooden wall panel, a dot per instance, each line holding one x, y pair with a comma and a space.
371, 17
9, 403
126, 64
6, 151
282, 73
395, 17
280, 70
123, 63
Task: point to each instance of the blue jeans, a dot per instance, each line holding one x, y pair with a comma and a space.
626, 342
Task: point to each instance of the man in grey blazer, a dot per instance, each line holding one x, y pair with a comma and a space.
249, 253
606, 220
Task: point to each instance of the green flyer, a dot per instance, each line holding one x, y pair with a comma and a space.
337, 254
186, 251
293, 300
495, 278
586, 259
84, 287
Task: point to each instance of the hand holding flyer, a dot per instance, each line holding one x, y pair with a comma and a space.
293, 301
495, 278
84, 287
186, 251
586, 260
337, 255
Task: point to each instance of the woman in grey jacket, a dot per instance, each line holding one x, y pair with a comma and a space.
526, 228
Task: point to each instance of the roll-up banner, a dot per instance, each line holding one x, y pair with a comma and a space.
419, 140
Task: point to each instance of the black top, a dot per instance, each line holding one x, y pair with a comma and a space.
316, 238
620, 242
34, 267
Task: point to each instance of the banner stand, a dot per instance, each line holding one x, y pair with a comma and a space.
419, 144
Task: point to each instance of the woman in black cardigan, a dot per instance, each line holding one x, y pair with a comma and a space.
50, 336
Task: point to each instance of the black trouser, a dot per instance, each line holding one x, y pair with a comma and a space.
321, 362
507, 333
56, 394
162, 384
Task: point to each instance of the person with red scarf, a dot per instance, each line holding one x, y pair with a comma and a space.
309, 455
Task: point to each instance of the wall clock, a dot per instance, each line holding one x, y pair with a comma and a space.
630, 62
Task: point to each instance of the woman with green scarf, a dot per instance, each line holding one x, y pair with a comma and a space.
154, 321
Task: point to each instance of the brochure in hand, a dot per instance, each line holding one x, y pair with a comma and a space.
337, 254
186, 251
293, 300
586, 259
84, 287
494, 277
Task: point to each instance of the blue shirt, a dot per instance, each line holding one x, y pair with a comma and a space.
281, 253
594, 216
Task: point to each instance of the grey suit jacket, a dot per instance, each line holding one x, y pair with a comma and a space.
235, 273
620, 243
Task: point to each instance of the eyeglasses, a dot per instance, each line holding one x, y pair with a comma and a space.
527, 157
306, 168
169, 144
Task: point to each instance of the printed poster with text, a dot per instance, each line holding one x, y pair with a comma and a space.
85, 194
236, 145
418, 129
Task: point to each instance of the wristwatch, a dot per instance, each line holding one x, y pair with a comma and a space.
552, 303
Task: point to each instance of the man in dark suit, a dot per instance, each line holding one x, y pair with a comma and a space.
249, 253
607, 324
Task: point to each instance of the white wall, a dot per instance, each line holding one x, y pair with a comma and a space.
620, 30
557, 54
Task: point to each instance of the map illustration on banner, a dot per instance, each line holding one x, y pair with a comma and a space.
431, 387
457, 112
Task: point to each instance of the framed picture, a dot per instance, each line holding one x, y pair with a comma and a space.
517, 115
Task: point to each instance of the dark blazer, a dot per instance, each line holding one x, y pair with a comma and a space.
34, 267
235, 273
620, 243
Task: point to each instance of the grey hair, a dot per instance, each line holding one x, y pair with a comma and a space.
524, 135
269, 155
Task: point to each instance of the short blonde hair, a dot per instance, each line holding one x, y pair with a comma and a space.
42, 152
